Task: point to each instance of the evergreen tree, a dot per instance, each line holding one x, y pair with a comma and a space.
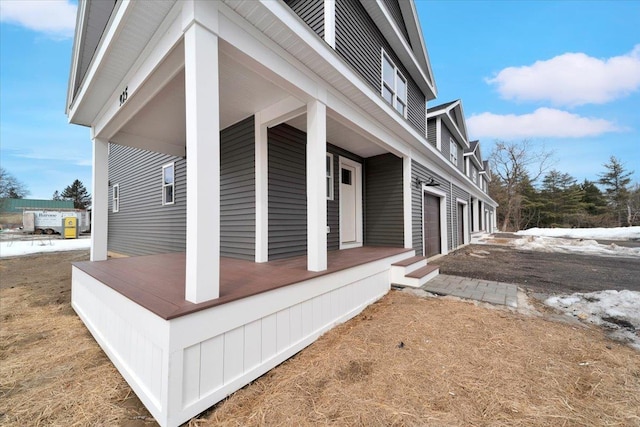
562, 198
615, 181
78, 193
56, 196
593, 201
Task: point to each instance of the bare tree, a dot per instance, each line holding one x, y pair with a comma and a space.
10, 186
514, 165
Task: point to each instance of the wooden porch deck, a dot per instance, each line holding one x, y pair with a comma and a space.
157, 282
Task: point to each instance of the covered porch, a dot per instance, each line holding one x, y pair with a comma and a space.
180, 358
156, 282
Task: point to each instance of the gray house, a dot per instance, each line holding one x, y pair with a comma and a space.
262, 171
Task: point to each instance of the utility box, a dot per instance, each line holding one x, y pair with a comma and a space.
70, 224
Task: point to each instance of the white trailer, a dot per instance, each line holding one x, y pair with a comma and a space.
47, 221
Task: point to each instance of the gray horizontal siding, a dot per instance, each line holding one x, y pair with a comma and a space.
359, 42
432, 132
384, 211
143, 226
311, 12
418, 171
237, 191
287, 192
396, 13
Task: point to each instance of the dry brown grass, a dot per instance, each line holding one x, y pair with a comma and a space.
459, 364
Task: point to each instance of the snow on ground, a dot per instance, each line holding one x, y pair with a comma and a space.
13, 248
619, 311
586, 247
614, 233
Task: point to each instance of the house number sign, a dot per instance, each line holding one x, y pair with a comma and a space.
124, 95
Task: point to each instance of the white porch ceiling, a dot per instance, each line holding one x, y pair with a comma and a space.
160, 124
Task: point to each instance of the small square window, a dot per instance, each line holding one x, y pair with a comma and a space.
168, 184
346, 177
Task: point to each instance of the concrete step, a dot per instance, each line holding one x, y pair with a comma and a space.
419, 277
401, 268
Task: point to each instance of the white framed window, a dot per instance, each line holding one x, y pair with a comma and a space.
474, 176
168, 184
394, 85
329, 179
115, 206
453, 151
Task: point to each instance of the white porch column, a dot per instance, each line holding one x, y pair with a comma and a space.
100, 199
406, 189
476, 215
262, 190
316, 192
203, 164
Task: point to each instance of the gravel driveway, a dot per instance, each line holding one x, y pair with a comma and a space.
549, 273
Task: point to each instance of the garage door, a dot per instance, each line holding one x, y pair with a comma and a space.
431, 225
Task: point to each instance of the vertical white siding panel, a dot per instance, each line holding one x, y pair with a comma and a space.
211, 364
326, 309
296, 323
233, 354
191, 374
317, 312
252, 345
147, 359
156, 372
307, 317
269, 334
283, 335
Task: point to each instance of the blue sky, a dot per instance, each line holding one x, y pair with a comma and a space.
562, 74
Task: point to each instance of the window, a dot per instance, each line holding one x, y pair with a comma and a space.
474, 176
115, 206
453, 151
394, 86
168, 184
329, 176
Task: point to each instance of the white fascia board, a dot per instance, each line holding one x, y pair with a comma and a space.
123, 9
81, 20
385, 23
464, 122
156, 66
408, 8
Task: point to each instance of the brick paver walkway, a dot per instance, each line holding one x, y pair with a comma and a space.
476, 289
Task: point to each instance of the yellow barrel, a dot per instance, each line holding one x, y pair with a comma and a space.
70, 227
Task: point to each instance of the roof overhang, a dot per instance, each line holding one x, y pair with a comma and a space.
415, 58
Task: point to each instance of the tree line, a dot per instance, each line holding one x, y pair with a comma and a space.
13, 188
532, 194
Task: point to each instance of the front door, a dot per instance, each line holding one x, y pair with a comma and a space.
350, 204
431, 225
460, 224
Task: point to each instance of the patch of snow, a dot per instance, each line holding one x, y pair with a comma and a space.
614, 233
586, 247
619, 311
13, 248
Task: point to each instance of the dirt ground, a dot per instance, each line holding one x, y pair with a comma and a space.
405, 360
548, 273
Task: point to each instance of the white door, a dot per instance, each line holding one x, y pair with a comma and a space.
350, 203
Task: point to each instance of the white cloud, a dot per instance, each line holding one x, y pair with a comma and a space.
572, 79
543, 122
56, 18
